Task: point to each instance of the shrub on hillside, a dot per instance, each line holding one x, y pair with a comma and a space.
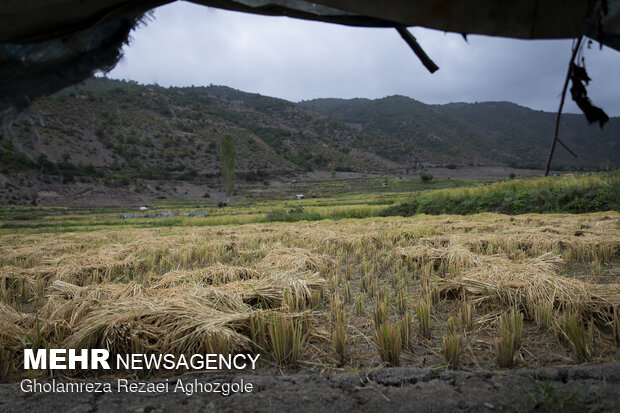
426, 177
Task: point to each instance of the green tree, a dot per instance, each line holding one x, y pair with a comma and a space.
228, 164
426, 177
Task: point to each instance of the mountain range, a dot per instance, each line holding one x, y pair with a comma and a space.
117, 131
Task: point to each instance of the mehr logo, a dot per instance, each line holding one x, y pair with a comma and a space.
93, 359
62, 359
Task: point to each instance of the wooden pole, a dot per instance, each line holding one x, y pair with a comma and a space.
557, 118
417, 49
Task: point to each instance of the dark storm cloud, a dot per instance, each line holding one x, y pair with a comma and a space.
187, 44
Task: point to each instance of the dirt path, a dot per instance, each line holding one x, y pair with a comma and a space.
576, 389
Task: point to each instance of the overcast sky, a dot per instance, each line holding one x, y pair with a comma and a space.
187, 44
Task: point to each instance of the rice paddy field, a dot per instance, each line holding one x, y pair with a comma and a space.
477, 292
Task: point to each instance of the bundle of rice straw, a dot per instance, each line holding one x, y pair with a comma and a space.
13, 327
295, 259
96, 291
460, 257
215, 274
67, 304
35, 251
27, 280
176, 324
437, 241
332, 241
418, 255
270, 291
453, 257
75, 268
530, 283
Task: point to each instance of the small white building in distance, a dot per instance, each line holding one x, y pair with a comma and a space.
299, 196
143, 208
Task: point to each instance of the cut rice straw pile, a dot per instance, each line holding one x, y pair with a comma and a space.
270, 290
530, 283
177, 324
295, 259
215, 274
456, 256
183, 318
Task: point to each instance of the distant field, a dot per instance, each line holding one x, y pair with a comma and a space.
335, 199
43, 220
346, 198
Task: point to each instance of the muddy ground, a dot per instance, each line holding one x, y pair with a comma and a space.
574, 389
